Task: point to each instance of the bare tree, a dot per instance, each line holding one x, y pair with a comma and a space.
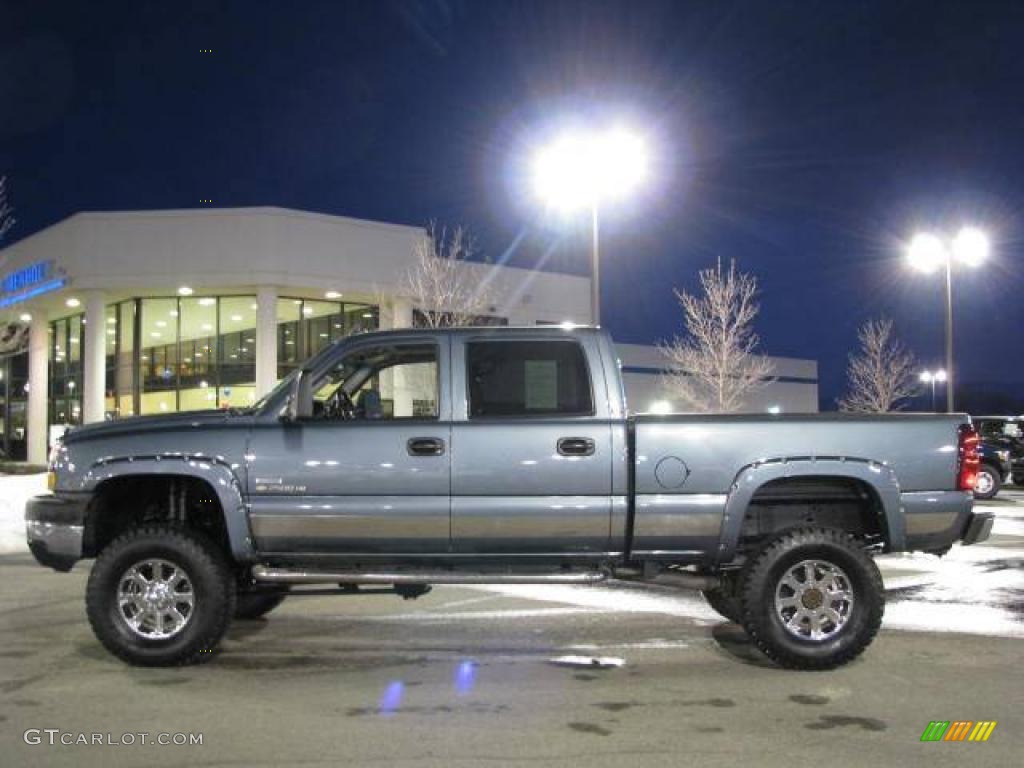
881, 374
439, 284
7, 219
715, 366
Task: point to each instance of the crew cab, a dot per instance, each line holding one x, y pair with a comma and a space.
403, 459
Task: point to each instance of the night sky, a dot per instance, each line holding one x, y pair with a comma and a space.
807, 140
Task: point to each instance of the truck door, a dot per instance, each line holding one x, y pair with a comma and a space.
531, 455
369, 471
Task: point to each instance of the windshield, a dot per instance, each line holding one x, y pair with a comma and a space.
285, 384
282, 386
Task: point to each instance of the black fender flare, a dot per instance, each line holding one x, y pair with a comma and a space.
879, 477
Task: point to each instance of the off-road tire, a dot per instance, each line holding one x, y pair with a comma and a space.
724, 599
764, 624
211, 580
997, 482
254, 604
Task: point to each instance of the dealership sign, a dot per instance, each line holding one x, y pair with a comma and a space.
33, 280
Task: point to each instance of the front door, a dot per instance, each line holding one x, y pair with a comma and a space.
369, 472
531, 457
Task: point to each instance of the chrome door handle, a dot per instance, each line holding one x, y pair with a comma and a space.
425, 446
576, 446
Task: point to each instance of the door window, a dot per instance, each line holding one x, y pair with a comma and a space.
528, 378
387, 382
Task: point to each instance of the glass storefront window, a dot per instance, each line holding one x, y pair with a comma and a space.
322, 323
236, 364
171, 354
127, 374
14, 386
304, 327
197, 368
360, 318
110, 361
65, 401
159, 363
289, 351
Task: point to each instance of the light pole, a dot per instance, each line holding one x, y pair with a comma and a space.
930, 378
927, 253
582, 171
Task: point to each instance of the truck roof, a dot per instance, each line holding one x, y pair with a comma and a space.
476, 330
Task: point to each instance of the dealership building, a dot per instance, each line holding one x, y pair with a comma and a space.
107, 315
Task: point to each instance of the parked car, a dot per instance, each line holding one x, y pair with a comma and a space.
495, 455
994, 470
1005, 432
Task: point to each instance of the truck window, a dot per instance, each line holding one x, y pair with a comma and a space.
527, 378
374, 383
990, 429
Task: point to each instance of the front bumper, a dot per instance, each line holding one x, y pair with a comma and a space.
979, 526
55, 527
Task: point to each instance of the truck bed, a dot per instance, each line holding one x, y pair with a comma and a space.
690, 468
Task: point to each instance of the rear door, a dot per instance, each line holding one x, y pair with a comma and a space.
531, 454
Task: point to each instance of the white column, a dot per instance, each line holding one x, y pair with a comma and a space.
397, 315
38, 386
266, 339
94, 359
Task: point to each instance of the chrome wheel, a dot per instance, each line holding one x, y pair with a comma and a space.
155, 599
984, 482
814, 600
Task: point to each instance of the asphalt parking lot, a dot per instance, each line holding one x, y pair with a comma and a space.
463, 677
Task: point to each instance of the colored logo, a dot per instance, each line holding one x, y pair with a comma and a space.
958, 730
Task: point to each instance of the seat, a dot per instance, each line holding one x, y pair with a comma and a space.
368, 405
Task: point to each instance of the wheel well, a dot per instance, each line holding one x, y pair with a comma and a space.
845, 503
125, 502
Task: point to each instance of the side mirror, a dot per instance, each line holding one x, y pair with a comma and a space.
299, 404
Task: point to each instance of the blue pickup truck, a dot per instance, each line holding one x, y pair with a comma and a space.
403, 459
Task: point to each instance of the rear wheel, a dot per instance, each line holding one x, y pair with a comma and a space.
812, 599
987, 483
160, 595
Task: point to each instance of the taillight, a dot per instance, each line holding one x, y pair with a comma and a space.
969, 461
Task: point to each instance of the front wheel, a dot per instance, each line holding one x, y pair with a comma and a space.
987, 483
724, 599
812, 599
160, 596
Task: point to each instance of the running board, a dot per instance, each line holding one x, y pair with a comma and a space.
266, 574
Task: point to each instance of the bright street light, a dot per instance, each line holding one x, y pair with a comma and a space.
931, 378
928, 253
584, 171
970, 246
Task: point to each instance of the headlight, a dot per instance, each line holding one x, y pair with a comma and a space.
1003, 455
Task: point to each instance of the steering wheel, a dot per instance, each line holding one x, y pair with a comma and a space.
340, 407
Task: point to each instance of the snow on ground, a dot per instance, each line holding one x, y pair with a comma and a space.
971, 590
14, 492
